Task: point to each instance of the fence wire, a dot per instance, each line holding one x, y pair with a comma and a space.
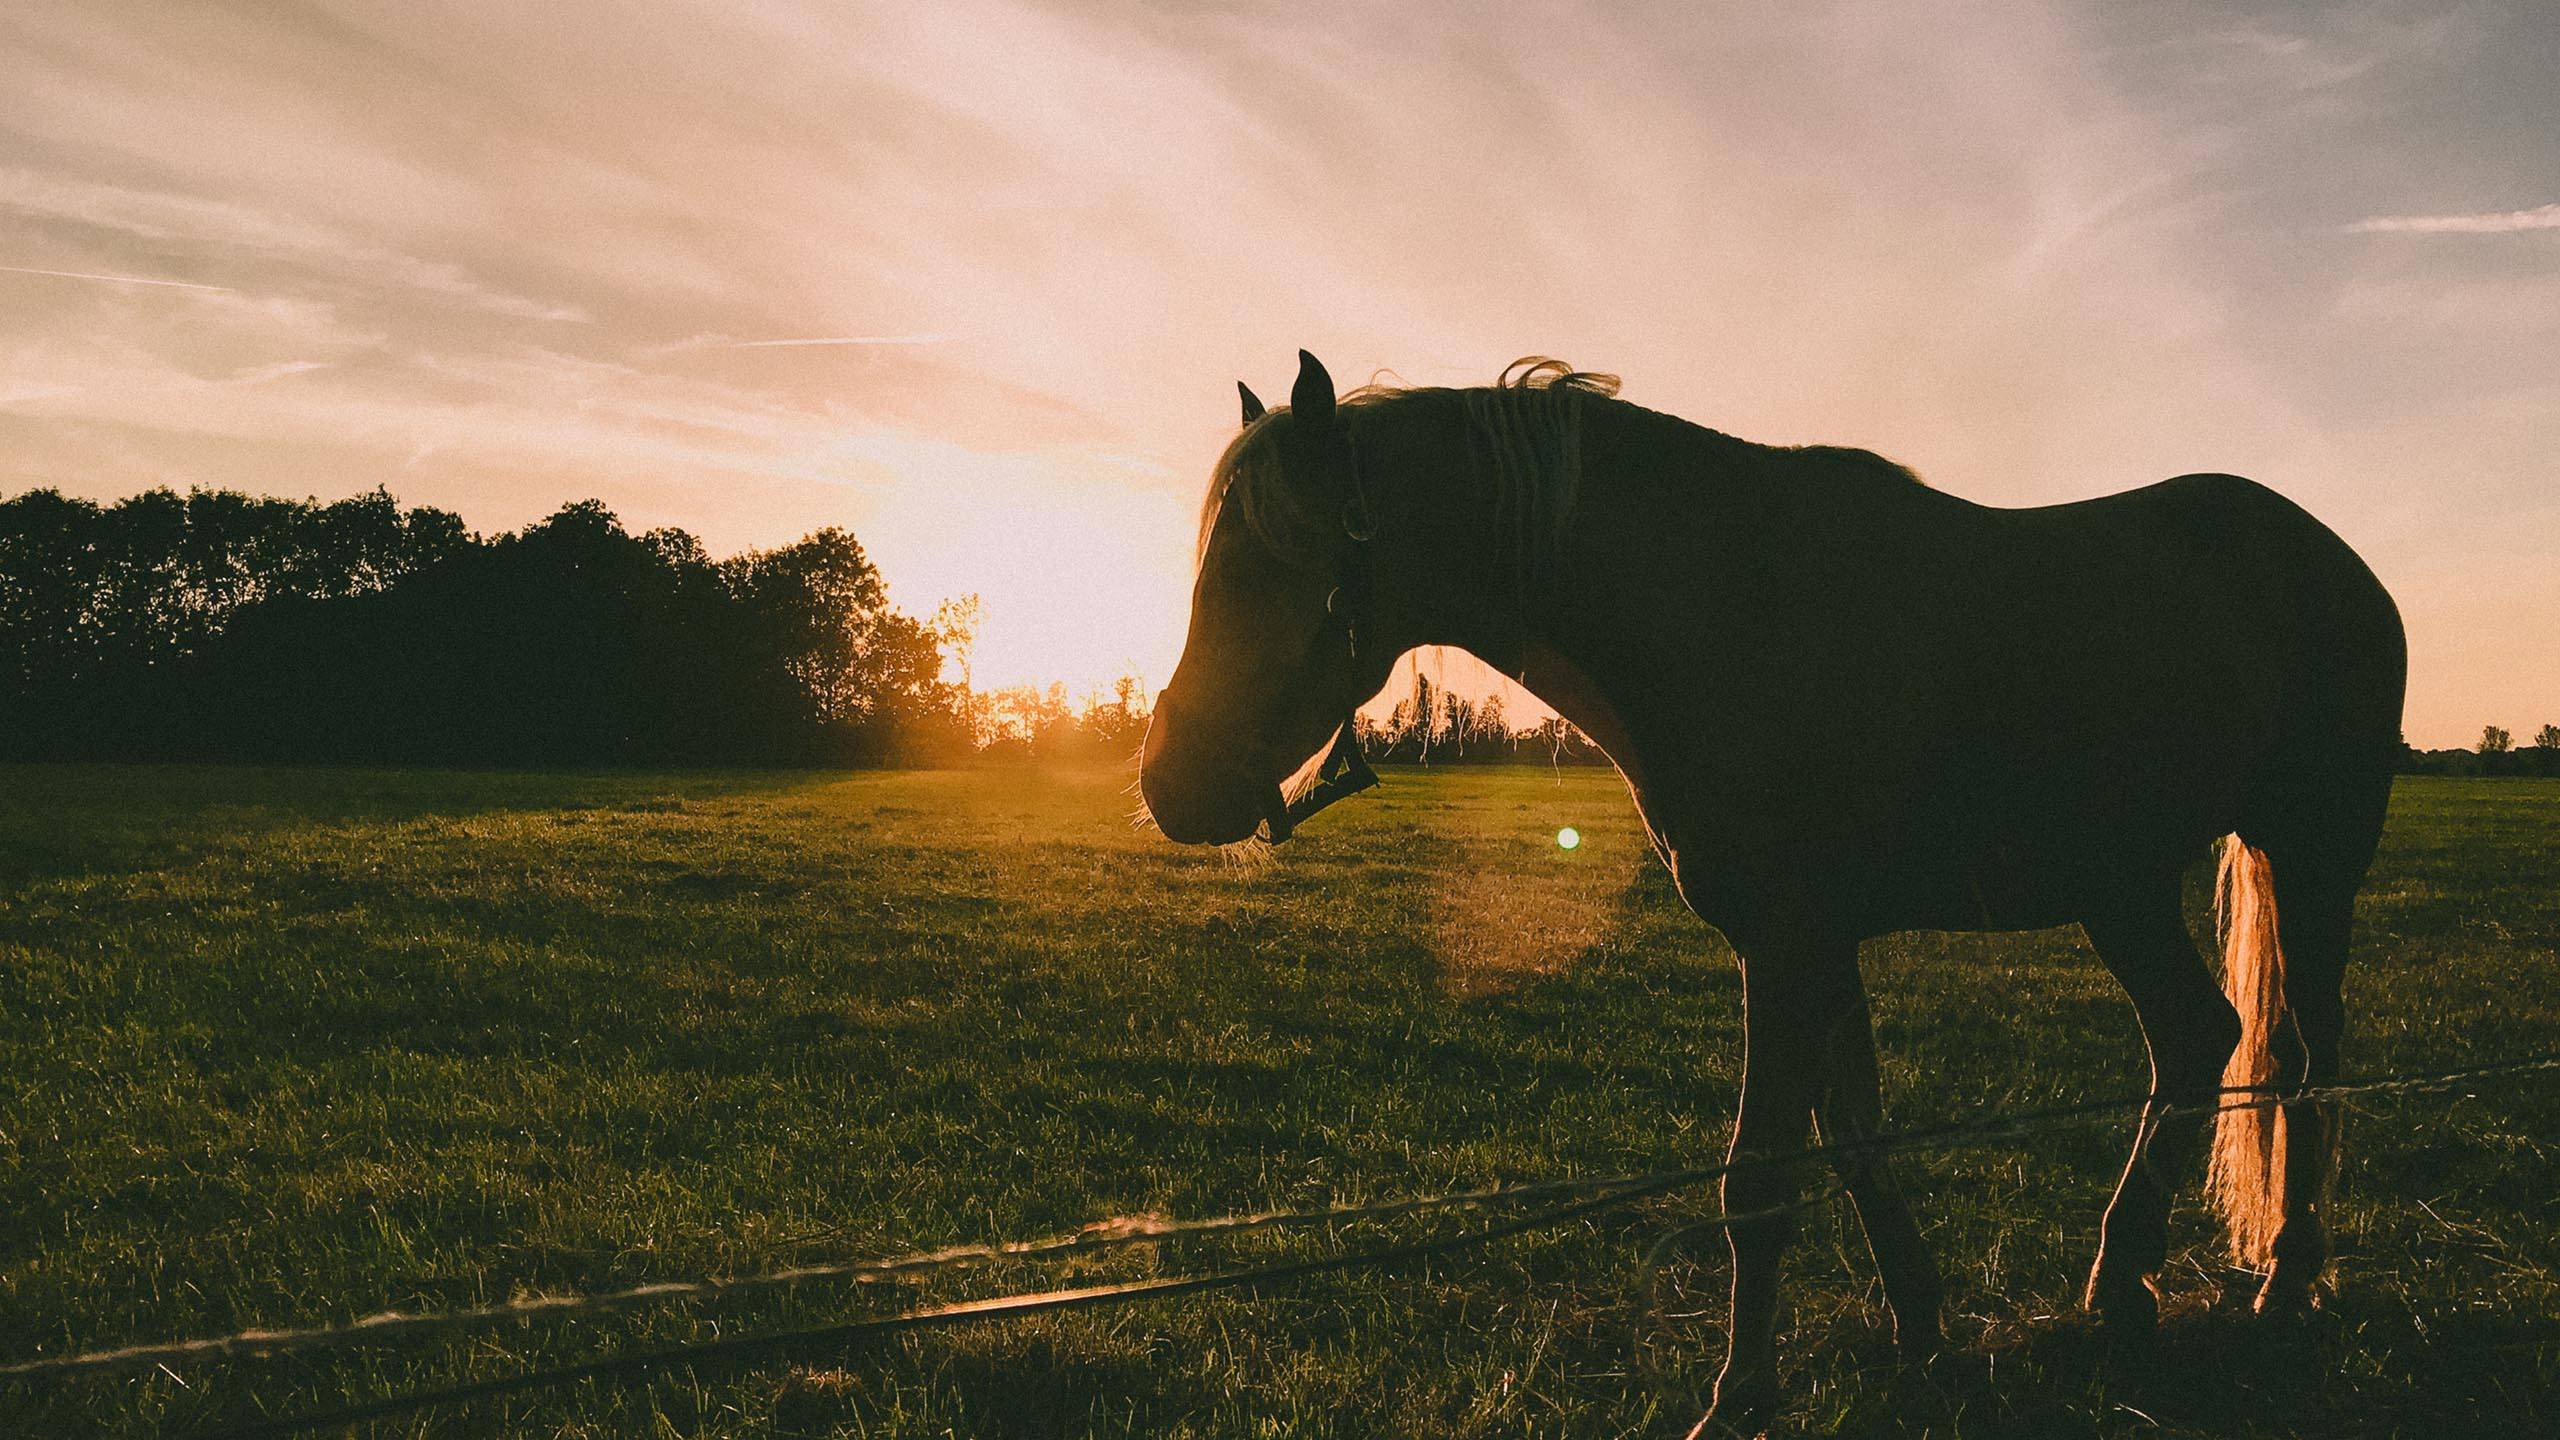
1573, 1199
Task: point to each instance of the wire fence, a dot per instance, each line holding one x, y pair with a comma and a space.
1567, 1201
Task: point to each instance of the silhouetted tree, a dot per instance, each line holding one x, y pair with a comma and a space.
2547, 738
107, 613
863, 670
1025, 722
227, 626
2494, 740
1114, 727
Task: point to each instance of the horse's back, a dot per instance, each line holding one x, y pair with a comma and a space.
2086, 687
2216, 579
2196, 652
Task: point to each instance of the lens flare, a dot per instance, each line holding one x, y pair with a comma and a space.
1568, 838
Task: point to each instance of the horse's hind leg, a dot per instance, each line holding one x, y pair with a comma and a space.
2319, 830
2313, 915
2190, 1030
1851, 1109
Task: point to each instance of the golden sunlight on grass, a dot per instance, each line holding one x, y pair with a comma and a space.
1520, 903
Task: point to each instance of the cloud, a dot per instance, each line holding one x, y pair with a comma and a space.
724, 342
261, 374
926, 339
2495, 222
2302, 64
166, 218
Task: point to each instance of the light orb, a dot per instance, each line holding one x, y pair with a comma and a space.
1568, 838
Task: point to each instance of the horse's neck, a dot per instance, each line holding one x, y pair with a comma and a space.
1557, 679
1571, 649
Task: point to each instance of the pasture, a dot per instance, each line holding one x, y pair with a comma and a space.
285, 1047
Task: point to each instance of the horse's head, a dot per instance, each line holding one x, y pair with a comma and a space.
1283, 642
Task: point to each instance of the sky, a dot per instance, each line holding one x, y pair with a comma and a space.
975, 280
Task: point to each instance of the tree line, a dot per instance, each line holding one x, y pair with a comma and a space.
222, 626
2496, 753
1434, 725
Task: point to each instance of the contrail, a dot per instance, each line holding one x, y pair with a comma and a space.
114, 279
2504, 222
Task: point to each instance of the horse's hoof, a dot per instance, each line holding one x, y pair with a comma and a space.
2127, 1306
1714, 1426
1740, 1412
2284, 1301
1955, 1370
1924, 1397
1919, 1344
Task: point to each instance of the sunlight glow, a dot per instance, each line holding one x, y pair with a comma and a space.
997, 339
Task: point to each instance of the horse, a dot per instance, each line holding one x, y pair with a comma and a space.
1848, 704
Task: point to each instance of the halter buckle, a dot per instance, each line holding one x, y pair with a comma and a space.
1344, 773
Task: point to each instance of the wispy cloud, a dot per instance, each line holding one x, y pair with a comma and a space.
20, 395
164, 217
261, 374
113, 279
729, 342
925, 339
2494, 222
2302, 64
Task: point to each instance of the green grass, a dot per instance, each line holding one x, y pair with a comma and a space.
287, 1047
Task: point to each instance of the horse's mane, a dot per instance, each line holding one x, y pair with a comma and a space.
1523, 437
1524, 442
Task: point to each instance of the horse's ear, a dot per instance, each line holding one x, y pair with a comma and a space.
1311, 399
1252, 402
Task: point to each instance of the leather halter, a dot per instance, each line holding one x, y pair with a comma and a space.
1345, 771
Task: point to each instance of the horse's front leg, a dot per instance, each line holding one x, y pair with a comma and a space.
1851, 1109
1795, 994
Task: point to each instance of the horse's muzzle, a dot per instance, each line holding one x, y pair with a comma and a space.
1199, 795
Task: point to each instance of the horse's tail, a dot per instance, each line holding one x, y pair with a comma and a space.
2246, 1176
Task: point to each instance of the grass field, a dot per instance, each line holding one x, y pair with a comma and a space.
292, 1047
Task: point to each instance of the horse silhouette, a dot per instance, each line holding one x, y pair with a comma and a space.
2025, 718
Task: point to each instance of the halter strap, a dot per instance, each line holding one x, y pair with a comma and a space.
1345, 773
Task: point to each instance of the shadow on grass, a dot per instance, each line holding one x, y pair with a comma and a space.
67, 820
2366, 1366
